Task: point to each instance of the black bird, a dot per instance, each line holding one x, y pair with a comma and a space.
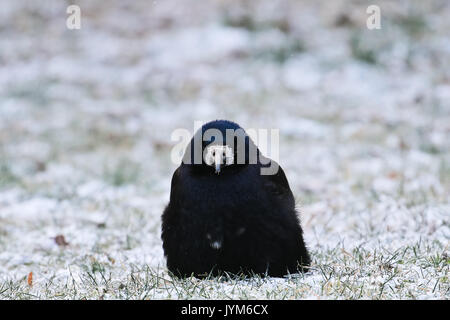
225, 216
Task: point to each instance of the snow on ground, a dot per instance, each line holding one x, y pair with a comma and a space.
86, 118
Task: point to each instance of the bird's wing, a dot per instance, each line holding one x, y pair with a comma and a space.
175, 182
277, 183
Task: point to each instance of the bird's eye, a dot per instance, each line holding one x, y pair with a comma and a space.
214, 153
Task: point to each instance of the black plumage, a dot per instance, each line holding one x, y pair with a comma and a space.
227, 216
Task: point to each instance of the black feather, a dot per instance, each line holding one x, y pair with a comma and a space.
238, 221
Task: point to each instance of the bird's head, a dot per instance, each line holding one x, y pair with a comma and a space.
220, 145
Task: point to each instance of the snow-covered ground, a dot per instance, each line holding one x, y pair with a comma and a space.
86, 118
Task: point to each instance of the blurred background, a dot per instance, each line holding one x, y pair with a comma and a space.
86, 117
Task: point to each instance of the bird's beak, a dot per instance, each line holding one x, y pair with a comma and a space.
218, 161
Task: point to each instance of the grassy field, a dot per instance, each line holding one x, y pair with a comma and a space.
86, 118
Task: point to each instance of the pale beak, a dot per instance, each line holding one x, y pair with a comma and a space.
218, 159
